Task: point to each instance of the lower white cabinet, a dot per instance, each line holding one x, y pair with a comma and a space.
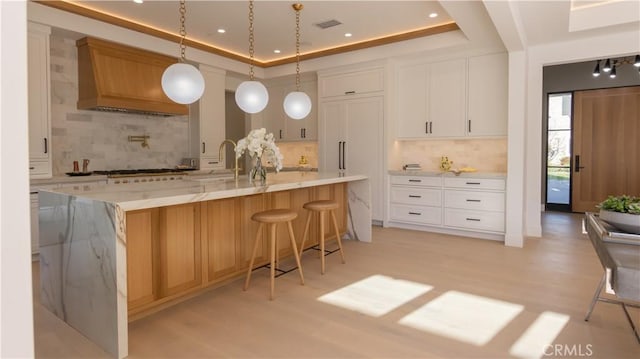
469, 206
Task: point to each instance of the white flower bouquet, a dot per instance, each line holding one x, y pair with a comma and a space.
260, 145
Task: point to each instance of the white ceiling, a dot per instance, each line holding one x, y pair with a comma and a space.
274, 23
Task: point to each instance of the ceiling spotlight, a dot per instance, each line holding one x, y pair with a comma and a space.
607, 66
348, 34
276, 51
221, 31
138, 1
596, 71
613, 72
433, 14
636, 63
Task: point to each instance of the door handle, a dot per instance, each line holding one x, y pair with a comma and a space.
203, 147
46, 146
578, 167
339, 155
344, 151
280, 134
426, 127
469, 126
431, 127
301, 133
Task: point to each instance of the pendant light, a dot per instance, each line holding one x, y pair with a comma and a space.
182, 82
297, 104
251, 96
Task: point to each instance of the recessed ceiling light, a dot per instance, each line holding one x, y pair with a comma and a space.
348, 34
221, 31
276, 51
138, 1
433, 14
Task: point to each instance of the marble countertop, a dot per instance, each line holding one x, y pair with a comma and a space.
157, 194
448, 174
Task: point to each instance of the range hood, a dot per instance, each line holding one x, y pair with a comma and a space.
114, 77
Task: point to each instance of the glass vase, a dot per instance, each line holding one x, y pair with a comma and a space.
258, 173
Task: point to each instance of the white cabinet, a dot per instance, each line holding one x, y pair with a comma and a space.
470, 206
39, 101
351, 141
352, 83
208, 119
432, 99
284, 128
488, 92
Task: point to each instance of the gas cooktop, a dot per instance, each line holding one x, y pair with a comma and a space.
140, 172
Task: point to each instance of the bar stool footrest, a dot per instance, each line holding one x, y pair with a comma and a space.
279, 271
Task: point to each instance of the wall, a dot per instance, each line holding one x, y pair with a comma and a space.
102, 137
485, 155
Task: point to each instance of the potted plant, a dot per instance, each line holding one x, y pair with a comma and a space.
622, 211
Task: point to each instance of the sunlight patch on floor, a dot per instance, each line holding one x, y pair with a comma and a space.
464, 317
376, 295
539, 335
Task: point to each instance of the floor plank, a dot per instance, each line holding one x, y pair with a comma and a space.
556, 273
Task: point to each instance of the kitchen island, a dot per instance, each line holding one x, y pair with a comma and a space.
111, 252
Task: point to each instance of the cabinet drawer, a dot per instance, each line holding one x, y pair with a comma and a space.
352, 83
478, 220
416, 196
416, 214
417, 181
485, 201
39, 169
207, 163
475, 183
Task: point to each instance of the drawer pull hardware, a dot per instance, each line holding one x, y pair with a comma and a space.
415, 180
473, 219
473, 182
349, 92
415, 213
473, 200
32, 168
414, 196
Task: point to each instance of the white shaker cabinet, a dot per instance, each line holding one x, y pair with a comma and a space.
284, 128
431, 99
208, 119
39, 101
488, 92
351, 141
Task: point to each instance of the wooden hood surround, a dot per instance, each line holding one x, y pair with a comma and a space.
114, 77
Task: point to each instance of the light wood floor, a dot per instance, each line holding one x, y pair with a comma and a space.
556, 273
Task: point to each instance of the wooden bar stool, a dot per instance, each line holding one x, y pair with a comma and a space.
272, 217
321, 207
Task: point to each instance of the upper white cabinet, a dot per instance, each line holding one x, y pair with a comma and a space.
284, 128
488, 93
456, 98
352, 83
39, 87
210, 113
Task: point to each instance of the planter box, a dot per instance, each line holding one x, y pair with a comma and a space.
624, 221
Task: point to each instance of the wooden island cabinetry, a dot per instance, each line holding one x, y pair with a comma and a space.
177, 250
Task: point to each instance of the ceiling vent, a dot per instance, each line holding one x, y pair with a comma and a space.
327, 24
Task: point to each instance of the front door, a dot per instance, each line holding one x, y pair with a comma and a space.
606, 146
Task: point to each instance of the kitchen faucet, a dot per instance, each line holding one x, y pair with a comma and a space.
235, 167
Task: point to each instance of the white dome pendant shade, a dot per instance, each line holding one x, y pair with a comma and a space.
252, 96
183, 83
297, 105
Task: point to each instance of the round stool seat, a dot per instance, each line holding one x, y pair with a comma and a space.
274, 216
321, 205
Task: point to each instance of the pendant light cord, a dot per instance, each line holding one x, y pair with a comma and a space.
298, 47
183, 30
251, 40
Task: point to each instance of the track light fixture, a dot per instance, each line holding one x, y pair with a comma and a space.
610, 65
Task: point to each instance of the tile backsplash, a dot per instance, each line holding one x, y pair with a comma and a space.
102, 137
485, 155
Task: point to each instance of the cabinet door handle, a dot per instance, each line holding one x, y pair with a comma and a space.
472, 182
473, 219
578, 167
469, 126
339, 155
431, 127
415, 180
344, 151
414, 196
203, 147
415, 213
473, 200
32, 168
280, 134
304, 133
349, 92
426, 127
46, 145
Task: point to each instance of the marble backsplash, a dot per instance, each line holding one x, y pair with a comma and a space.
486, 155
102, 137
291, 151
